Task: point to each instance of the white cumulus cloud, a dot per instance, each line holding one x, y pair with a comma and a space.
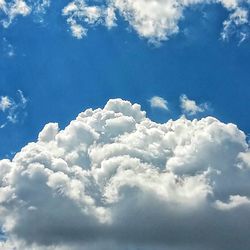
114, 179
158, 102
190, 107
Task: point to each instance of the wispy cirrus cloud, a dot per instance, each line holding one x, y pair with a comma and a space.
190, 107
10, 10
13, 109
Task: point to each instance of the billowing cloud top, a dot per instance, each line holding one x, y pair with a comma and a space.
114, 179
155, 20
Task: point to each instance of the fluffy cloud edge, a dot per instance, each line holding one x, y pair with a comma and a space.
190, 107
158, 102
118, 178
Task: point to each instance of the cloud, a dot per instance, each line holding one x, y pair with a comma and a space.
234, 202
114, 179
190, 107
23, 99
5, 103
13, 110
154, 20
79, 13
244, 160
78, 10
238, 18
158, 102
10, 10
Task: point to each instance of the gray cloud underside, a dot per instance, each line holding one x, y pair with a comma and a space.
114, 179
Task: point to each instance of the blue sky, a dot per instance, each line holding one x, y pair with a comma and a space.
51, 74
61, 75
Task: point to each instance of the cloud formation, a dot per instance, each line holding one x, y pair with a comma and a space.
154, 20
158, 102
114, 179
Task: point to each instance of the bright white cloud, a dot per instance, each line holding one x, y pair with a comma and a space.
190, 107
158, 102
11, 9
114, 179
155, 20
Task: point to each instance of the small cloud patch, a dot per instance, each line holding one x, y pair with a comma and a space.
158, 102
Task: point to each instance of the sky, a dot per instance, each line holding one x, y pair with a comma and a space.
168, 85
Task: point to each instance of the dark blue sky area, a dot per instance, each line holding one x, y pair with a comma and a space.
62, 76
